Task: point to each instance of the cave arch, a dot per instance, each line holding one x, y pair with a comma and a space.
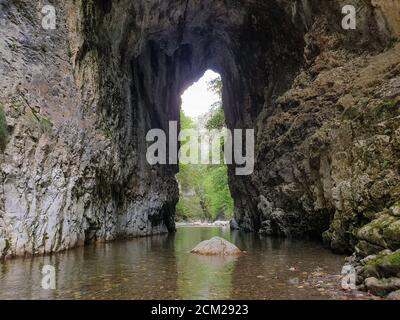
112, 70
256, 47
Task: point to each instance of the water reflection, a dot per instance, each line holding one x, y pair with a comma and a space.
136, 269
276, 268
202, 277
162, 267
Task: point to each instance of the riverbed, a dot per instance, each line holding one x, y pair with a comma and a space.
161, 267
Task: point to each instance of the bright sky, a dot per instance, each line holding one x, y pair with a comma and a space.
197, 100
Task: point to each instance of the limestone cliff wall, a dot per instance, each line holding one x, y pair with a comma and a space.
68, 177
79, 100
389, 10
320, 170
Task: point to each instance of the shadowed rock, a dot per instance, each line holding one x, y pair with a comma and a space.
216, 246
382, 287
395, 295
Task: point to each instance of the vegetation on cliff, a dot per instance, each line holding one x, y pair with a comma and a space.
3, 129
204, 190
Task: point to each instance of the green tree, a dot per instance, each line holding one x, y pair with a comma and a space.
186, 122
204, 190
217, 119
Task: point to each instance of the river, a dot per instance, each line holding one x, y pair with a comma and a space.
161, 267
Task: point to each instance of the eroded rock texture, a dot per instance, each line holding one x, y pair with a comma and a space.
80, 99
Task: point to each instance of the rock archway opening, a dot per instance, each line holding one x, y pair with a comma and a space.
204, 193
255, 48
114, 70
128, 63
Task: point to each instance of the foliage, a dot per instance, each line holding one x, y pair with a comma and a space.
204, 190
189, 209
45, 124
211, 199
186, 122
217, 192
388, 107
215, 86
40, 121
217, 120
3, 129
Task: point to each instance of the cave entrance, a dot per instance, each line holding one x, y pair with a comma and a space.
256, 48
203, 187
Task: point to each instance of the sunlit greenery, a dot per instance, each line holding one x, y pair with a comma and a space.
204, 188
217, 119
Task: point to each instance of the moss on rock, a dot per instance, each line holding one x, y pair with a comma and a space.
3, 129
384, 265
383, 231
366, 248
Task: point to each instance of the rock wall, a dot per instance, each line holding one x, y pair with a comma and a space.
327, 148
79, 100
388, 11
73, 169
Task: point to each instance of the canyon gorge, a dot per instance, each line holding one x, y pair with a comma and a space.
77, 102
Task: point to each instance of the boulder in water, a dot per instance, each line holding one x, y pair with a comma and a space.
216, 246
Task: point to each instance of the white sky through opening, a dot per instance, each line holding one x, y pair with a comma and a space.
197, 99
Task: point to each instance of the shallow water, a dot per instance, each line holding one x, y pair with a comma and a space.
161, 267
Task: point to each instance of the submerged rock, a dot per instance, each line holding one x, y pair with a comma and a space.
216, 246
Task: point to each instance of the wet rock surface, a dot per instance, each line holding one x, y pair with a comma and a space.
216, 246
330, 286
379, 273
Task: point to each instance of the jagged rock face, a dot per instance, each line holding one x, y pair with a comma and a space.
327, 149
80, 99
